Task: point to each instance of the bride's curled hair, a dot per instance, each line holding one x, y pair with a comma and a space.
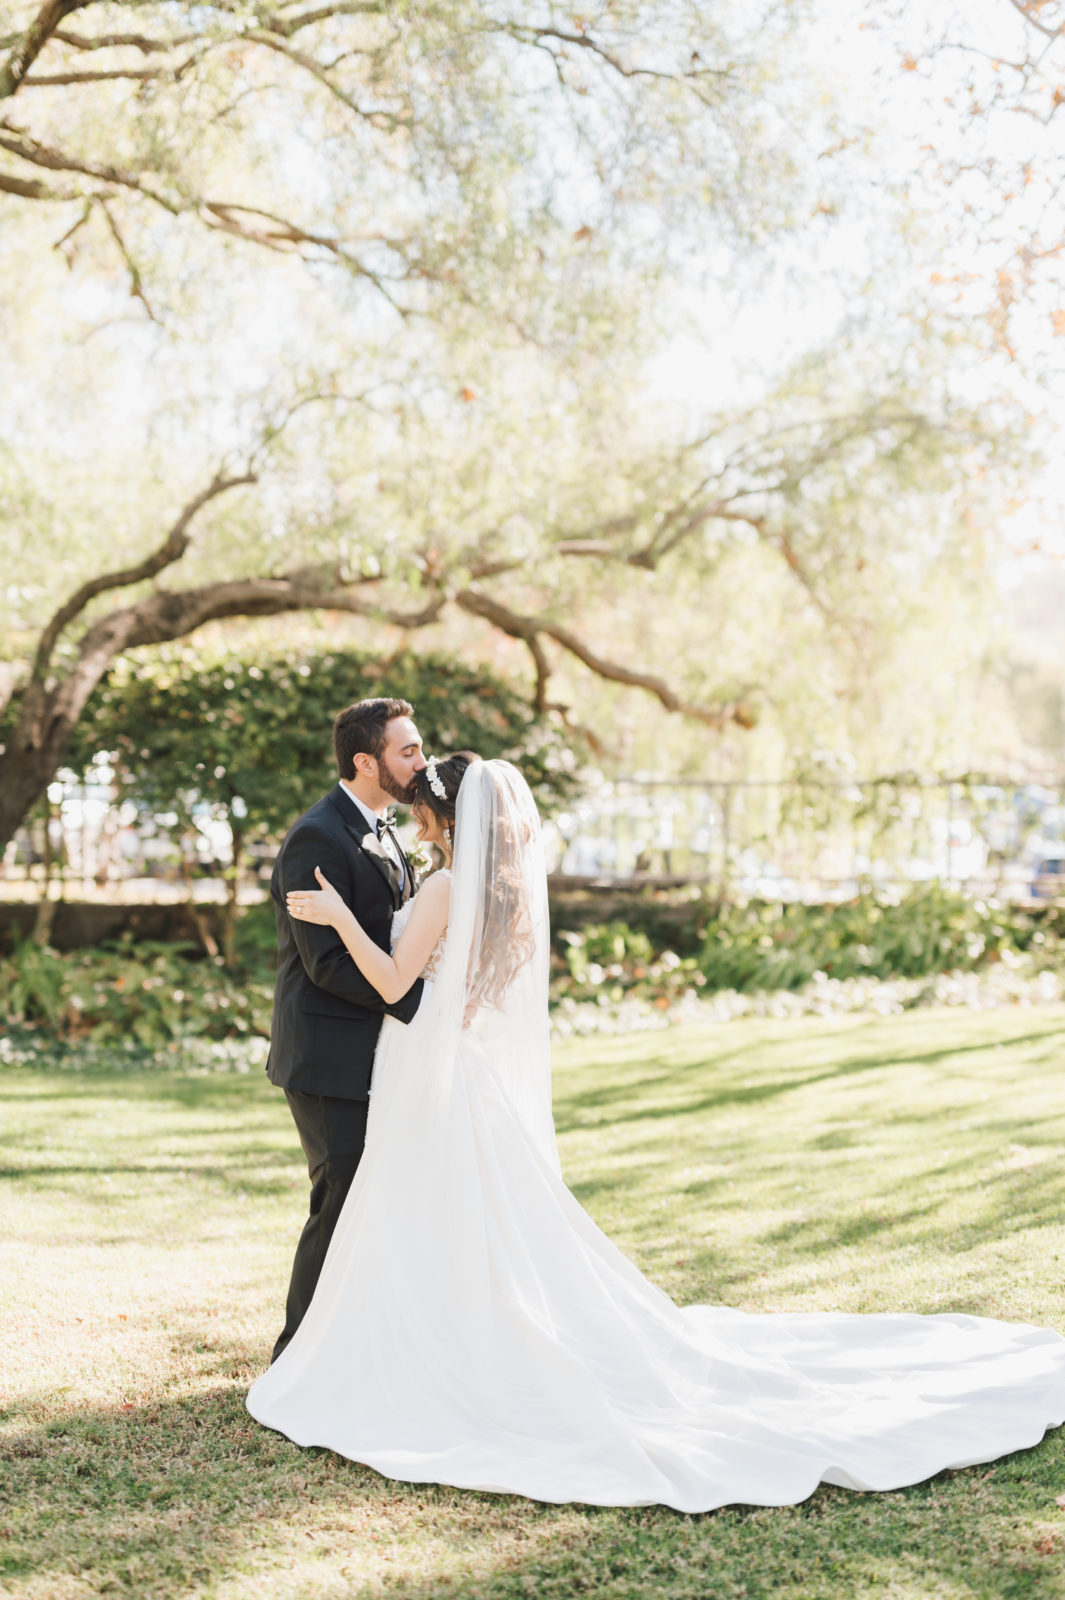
505, 940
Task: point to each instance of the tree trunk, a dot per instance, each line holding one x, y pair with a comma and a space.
47, 715
25, 774
232, 905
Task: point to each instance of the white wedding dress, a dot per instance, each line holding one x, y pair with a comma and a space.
472, 1326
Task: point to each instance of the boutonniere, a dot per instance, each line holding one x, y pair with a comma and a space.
418, 857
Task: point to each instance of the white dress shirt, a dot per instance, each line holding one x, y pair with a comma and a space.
387, 839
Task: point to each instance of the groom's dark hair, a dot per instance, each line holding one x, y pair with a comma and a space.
362, 727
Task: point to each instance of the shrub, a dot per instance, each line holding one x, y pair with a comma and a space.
609, 960
154, 995
929, 930
243, 742
146, 993
781, 946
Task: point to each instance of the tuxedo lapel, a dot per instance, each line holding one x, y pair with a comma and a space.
366, 838
409, 881
371, 846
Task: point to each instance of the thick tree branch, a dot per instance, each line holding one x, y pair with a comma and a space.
47, 715
20, 143
24, 54
287, 26
31, 189
170, 550
120, 41
55, 80
173, 613
530, 628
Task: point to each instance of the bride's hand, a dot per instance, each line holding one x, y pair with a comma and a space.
323, 905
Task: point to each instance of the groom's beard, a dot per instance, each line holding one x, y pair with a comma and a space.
391, 784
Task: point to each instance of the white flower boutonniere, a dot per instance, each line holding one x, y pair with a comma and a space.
418, 856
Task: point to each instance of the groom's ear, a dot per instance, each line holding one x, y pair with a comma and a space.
362, 761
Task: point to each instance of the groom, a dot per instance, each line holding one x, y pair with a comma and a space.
326, 1016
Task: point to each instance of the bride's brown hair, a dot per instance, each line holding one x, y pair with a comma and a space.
449, 771
507, 940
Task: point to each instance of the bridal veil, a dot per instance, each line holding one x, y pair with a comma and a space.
491, 993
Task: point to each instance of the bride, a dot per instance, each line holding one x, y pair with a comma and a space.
472, 1326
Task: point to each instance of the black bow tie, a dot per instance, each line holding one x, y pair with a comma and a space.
383, 824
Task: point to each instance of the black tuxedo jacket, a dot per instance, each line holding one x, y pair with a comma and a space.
326, 1015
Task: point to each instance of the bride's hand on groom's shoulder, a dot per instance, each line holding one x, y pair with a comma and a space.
323, 905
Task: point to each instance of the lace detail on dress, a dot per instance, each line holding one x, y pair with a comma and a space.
399, 922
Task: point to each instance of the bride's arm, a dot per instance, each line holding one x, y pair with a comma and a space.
391, 975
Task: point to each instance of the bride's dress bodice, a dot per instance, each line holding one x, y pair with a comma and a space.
402, 917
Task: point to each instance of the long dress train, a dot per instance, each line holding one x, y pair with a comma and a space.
472, 1325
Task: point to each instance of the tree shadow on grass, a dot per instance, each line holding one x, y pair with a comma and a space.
220, 1091
96, 1491
1000, 1204
250, 1173
849, 1204
175, 1497
729, 1091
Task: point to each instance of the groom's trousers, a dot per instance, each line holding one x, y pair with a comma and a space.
333, 1134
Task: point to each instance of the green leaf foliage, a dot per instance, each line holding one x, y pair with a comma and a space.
155, 996
251, 738
763, 945
145, 995
931, 929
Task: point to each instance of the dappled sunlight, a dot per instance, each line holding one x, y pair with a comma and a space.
887, 1165
807, 1166
198, 1495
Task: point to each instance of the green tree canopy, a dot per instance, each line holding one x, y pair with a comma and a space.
385, 280
245, 740
250, 734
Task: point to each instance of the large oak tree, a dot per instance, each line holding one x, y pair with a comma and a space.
495, 201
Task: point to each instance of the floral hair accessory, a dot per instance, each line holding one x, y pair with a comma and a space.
435, 782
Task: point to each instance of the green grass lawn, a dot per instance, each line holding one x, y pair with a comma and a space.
147, 1226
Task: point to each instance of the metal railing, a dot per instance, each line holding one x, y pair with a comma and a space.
816, 839
790, 839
